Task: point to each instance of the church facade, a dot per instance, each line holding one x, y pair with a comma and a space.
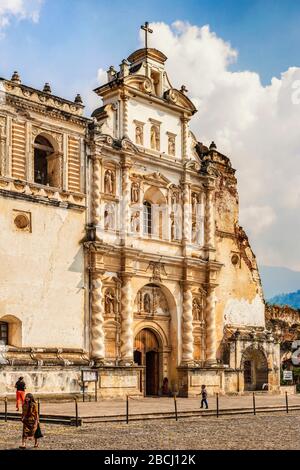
120, 246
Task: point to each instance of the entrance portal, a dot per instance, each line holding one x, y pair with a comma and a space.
255, 369
146, 353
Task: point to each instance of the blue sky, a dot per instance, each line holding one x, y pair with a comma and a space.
250, 115
73, 38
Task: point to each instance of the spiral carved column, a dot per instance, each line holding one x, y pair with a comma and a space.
126, 322
211, 349
98, 345
125, 203
186, 214
125, 114
96, 193
210, 219
187, 326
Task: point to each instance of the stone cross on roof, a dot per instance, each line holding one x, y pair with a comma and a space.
147, 30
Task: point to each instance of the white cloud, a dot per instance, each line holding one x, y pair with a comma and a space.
18, 10
256, 126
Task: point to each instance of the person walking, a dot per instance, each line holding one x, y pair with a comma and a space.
20, 392
203, 396
30, 420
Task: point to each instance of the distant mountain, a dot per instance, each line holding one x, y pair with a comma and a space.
276, 280
292, 299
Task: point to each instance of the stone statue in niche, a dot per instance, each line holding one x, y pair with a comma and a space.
155, 139
135, 222
147, 303
195, 202
196, 232
139, 137
109, 180
174, 200
171, 145
135, 192
197, 309
109, 216
109, 302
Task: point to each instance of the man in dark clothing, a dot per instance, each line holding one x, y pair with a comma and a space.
20, 393
203, 396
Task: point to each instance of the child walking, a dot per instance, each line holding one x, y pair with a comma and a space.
203, 396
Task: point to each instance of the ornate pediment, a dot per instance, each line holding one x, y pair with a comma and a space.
178, 98
157, 179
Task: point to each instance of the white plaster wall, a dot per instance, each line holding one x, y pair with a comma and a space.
42, 273
244, 313
169, 123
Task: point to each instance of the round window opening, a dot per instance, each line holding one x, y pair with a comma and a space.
21, 221
235, 259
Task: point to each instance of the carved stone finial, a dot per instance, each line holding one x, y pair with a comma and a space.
124, 68
47, 88
16, 77
78, 99
111, 73
183, 89
212, 146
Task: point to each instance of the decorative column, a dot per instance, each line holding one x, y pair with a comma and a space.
211, 348
2, 144
184, 131
125, 200
126, 322
186, 214
124, 101
96, 190
210, 218
98, 346
187, 326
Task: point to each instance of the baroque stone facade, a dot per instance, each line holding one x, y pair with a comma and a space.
122, 245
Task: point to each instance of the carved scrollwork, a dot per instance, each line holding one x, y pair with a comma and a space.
146, 86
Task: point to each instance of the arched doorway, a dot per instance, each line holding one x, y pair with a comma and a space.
146, 353
255, 368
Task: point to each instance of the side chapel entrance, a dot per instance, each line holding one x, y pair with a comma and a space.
255, 369
146, 353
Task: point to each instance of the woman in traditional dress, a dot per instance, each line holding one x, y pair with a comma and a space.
30, 420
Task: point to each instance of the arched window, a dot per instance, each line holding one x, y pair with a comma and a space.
46, 168
3, 333
147, 218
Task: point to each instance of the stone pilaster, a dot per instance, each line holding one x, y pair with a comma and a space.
184, 131
125, 202
126, 322
96, 190
124, 98
186, 214
211, 340
97, 331
187, 326
210, 219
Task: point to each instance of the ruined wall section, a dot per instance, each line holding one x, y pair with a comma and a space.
239, 293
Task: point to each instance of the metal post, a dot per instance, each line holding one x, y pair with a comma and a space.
76, 412
217, 397
83, 391
254, 409
96, 397
175, 405
286, 402
127, 409
5, 408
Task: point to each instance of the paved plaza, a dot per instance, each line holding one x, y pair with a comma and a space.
271, 431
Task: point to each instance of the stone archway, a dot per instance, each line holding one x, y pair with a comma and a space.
146, 353
255, 369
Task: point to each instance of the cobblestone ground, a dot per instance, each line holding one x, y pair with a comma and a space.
278, 431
